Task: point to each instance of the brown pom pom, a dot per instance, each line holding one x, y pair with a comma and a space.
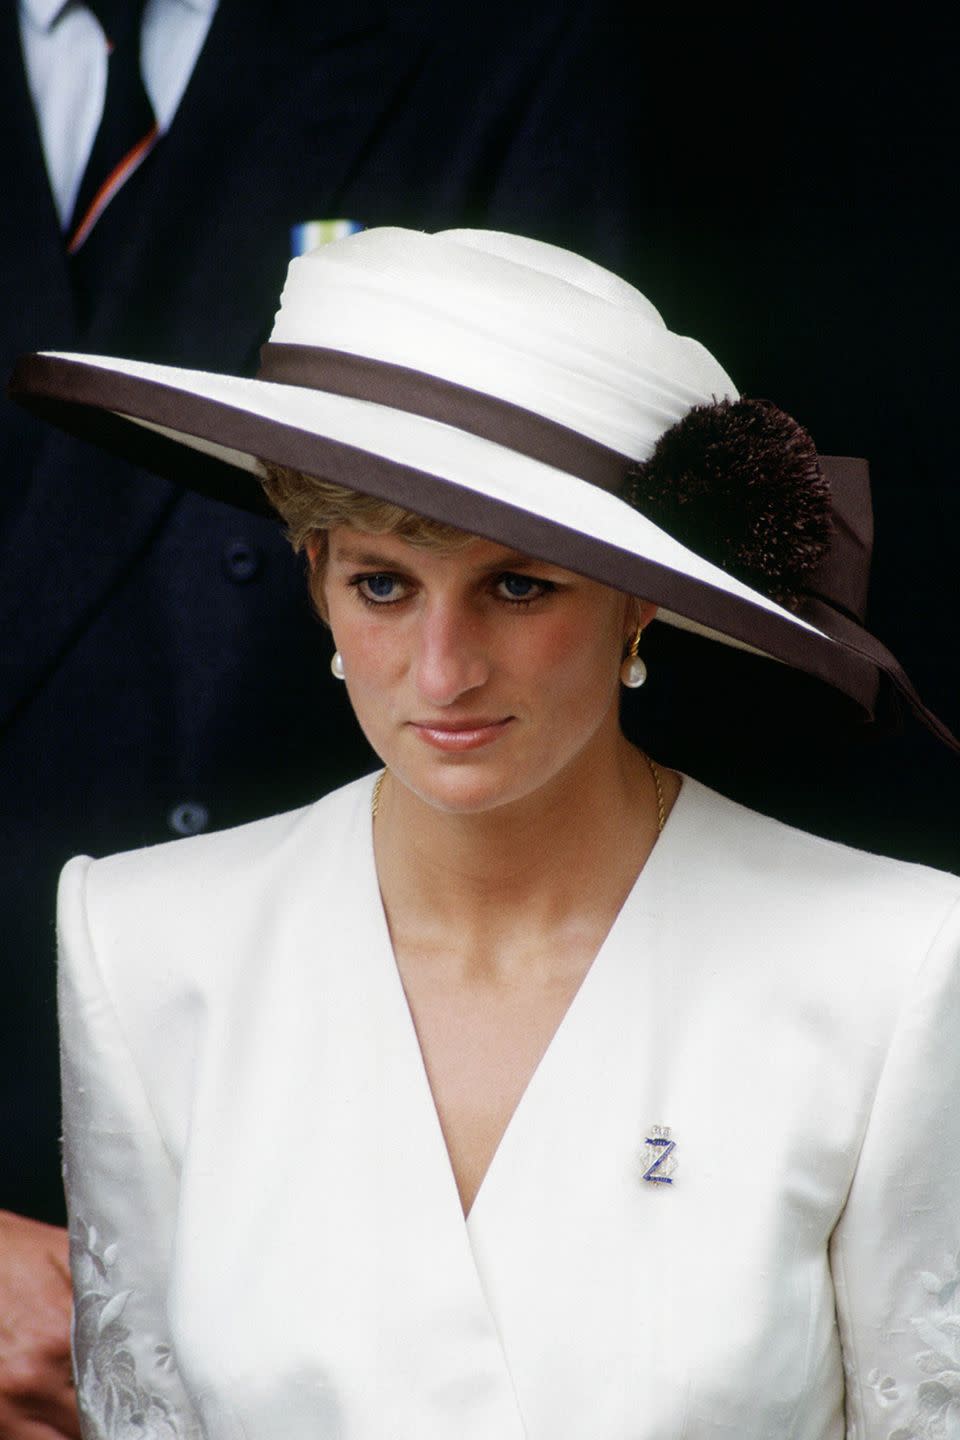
740, 482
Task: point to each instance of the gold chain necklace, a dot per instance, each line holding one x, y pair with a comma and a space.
652, 766
654, 769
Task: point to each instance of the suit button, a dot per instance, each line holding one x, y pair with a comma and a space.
189, 818
241, 561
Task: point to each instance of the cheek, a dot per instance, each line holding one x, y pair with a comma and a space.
575, 660
357, 630
372, 659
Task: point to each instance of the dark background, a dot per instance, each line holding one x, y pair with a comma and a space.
800, 222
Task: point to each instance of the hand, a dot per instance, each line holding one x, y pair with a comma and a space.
37, 1400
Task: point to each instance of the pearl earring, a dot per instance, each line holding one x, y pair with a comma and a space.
633, 671
336, 665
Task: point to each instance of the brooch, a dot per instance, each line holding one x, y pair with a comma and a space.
658, 1161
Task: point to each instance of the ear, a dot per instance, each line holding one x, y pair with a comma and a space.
639, 613
315, 552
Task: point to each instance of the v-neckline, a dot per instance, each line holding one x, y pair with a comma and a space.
568, 1021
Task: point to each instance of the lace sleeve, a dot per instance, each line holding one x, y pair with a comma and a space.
121, 1197
895, 1251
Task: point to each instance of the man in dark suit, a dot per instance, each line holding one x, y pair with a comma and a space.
162, 672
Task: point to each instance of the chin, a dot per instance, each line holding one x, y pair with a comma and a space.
460, 794
460, 788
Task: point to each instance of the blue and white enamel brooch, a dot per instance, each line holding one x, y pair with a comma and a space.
658, 1160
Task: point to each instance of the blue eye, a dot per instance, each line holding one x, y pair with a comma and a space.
521, 587
379, 589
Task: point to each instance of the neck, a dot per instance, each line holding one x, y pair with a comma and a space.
569, 852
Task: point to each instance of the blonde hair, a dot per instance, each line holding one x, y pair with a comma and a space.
310, 507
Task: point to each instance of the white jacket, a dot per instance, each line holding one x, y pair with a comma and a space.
267, 1238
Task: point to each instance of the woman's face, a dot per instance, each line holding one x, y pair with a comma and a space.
478, 675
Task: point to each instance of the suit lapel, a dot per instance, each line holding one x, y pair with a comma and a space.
38, 304
567, 1239
431, 1264
76, 533
37, 298
392, 1309
65, 537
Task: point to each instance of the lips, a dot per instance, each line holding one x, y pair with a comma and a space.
457, 735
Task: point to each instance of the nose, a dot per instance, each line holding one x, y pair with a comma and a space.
451, 657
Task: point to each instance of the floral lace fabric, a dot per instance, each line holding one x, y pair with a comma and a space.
934, 1402
114, 1401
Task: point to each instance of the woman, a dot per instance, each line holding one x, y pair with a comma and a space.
525, 1089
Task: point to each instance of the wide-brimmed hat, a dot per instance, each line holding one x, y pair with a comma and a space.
524, 394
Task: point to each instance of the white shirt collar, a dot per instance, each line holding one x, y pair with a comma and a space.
43, 14
202, 7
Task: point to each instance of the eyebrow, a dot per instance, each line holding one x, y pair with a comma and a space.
512, 560
364, 557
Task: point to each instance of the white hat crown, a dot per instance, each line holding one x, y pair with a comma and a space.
510, 317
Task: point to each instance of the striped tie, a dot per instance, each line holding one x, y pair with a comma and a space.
128, 129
